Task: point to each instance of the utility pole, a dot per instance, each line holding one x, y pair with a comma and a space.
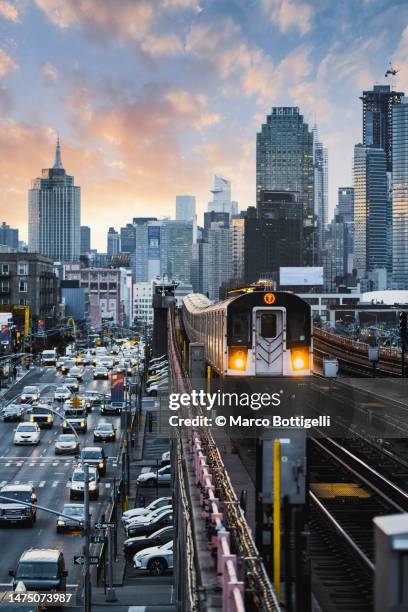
87, 582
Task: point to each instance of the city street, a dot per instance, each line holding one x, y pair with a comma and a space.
49, 474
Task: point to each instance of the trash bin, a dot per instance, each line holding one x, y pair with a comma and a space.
330, 367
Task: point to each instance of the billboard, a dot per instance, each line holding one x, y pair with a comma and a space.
301, 276
117, 387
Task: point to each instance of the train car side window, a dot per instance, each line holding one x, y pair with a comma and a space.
268, 325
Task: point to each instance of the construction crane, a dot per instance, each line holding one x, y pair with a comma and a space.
391, 71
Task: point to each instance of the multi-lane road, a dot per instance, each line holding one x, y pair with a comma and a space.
38, 465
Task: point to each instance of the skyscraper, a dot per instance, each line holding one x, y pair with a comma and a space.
400, 195
176, 245
273, 235
8, 236
54, 211
113, 242
85, 239
185, 208
320, 186
377, 118
219, 259
370, 209
345, 203
221, 201
284, 162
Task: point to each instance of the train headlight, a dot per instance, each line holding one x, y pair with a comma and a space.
300, 360
237, 358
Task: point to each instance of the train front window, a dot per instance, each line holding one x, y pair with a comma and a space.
240, 329
268, 325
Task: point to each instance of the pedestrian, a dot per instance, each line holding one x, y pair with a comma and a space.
15, 371
142, 501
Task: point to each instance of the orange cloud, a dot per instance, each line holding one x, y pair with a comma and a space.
8, 11
6, 63
166, 44
289, 14
49, 73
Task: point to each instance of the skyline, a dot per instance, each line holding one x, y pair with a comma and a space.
118, 82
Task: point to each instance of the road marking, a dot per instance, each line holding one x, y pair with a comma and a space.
42, 464
107, 485
32, 464
55, 463
42, 483
2, 483
137, 609
68, 485
8, 464
19, 463
55, 483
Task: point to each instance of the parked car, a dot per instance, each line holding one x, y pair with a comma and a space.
27, 433
161, 476
154, 505
144, 518
41, 569
150, 525
133, 545
165, 459
13, 412
66, 444
30, 394
156, 560
104, 432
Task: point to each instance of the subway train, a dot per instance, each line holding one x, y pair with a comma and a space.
252, 333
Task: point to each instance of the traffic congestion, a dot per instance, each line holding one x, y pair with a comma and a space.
58, 421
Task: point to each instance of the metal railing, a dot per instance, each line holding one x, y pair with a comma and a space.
230, 536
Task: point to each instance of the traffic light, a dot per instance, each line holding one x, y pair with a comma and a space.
403, 318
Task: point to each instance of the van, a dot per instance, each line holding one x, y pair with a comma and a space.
41, 569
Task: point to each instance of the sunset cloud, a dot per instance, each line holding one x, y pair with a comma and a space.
49, 73
8, 11
289, 14
6, 63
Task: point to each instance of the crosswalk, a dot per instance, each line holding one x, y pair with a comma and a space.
44, 461
41, 484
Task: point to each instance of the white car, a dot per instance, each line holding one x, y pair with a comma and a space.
154, 505
155, 560
27, 433
62, 393
77, 483
161, 477
30, 394
142, 519
157, 386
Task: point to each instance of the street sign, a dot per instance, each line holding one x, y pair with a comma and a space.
80, 560
105, 525
98, 539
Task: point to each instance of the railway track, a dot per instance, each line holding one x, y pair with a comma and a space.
346, 494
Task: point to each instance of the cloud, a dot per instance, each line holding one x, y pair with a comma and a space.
166, 44
49, 73
124, 20
401, 61
289, 14
244, 67
8, 11
6, 63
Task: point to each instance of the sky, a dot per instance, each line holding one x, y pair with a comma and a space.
150, 98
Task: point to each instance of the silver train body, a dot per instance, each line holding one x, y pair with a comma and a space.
255, 333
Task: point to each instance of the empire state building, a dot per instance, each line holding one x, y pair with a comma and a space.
54, 213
